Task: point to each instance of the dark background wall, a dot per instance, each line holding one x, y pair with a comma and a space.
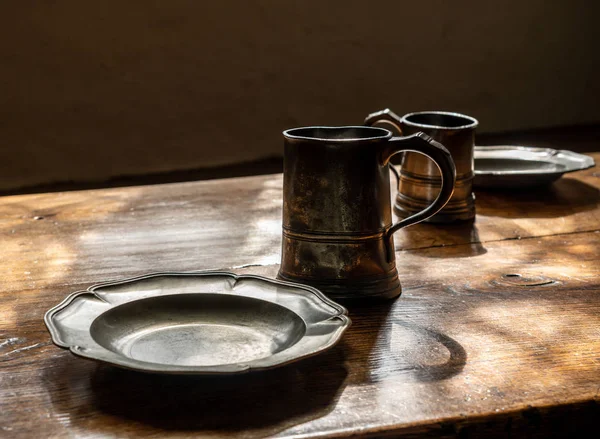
93, 90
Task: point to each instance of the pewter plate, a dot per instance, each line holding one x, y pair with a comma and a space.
197, 323
521, 166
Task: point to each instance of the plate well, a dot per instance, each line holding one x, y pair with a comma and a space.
197, 329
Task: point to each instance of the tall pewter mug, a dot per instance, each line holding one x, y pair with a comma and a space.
337, 221
420, 181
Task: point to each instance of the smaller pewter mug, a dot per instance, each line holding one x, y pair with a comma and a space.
337, 219
419, 180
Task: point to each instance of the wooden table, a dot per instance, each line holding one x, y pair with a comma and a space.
497, 331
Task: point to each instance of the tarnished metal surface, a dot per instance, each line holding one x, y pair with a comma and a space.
197, 323
521, 166
337, 222
420, 179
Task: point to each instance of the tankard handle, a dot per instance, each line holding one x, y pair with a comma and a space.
423, 144
385, 117
390, 121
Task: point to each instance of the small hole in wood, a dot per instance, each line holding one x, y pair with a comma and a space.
37, 218
512, 275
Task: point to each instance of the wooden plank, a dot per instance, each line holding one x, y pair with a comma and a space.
93, 235
465, 345
90, 236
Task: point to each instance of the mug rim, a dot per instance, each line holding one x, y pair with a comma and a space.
385, 134
473, 123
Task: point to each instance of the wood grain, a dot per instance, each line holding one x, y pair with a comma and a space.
494, 334
55, 239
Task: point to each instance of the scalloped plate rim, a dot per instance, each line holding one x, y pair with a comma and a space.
336, 335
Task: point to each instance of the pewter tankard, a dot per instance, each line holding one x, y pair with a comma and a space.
337, 221
419, 181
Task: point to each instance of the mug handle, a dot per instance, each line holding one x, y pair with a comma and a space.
388, 117
423, 144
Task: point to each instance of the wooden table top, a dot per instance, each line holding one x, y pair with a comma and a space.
497, 331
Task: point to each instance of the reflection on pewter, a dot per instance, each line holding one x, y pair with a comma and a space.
197, 329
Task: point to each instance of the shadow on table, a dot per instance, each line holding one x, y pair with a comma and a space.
565, 197
431, 340
463, 239
270, 401
385, 342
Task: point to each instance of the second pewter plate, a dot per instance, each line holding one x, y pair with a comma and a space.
507, 167
197, 323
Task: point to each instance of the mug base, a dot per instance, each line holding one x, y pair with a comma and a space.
386, 288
